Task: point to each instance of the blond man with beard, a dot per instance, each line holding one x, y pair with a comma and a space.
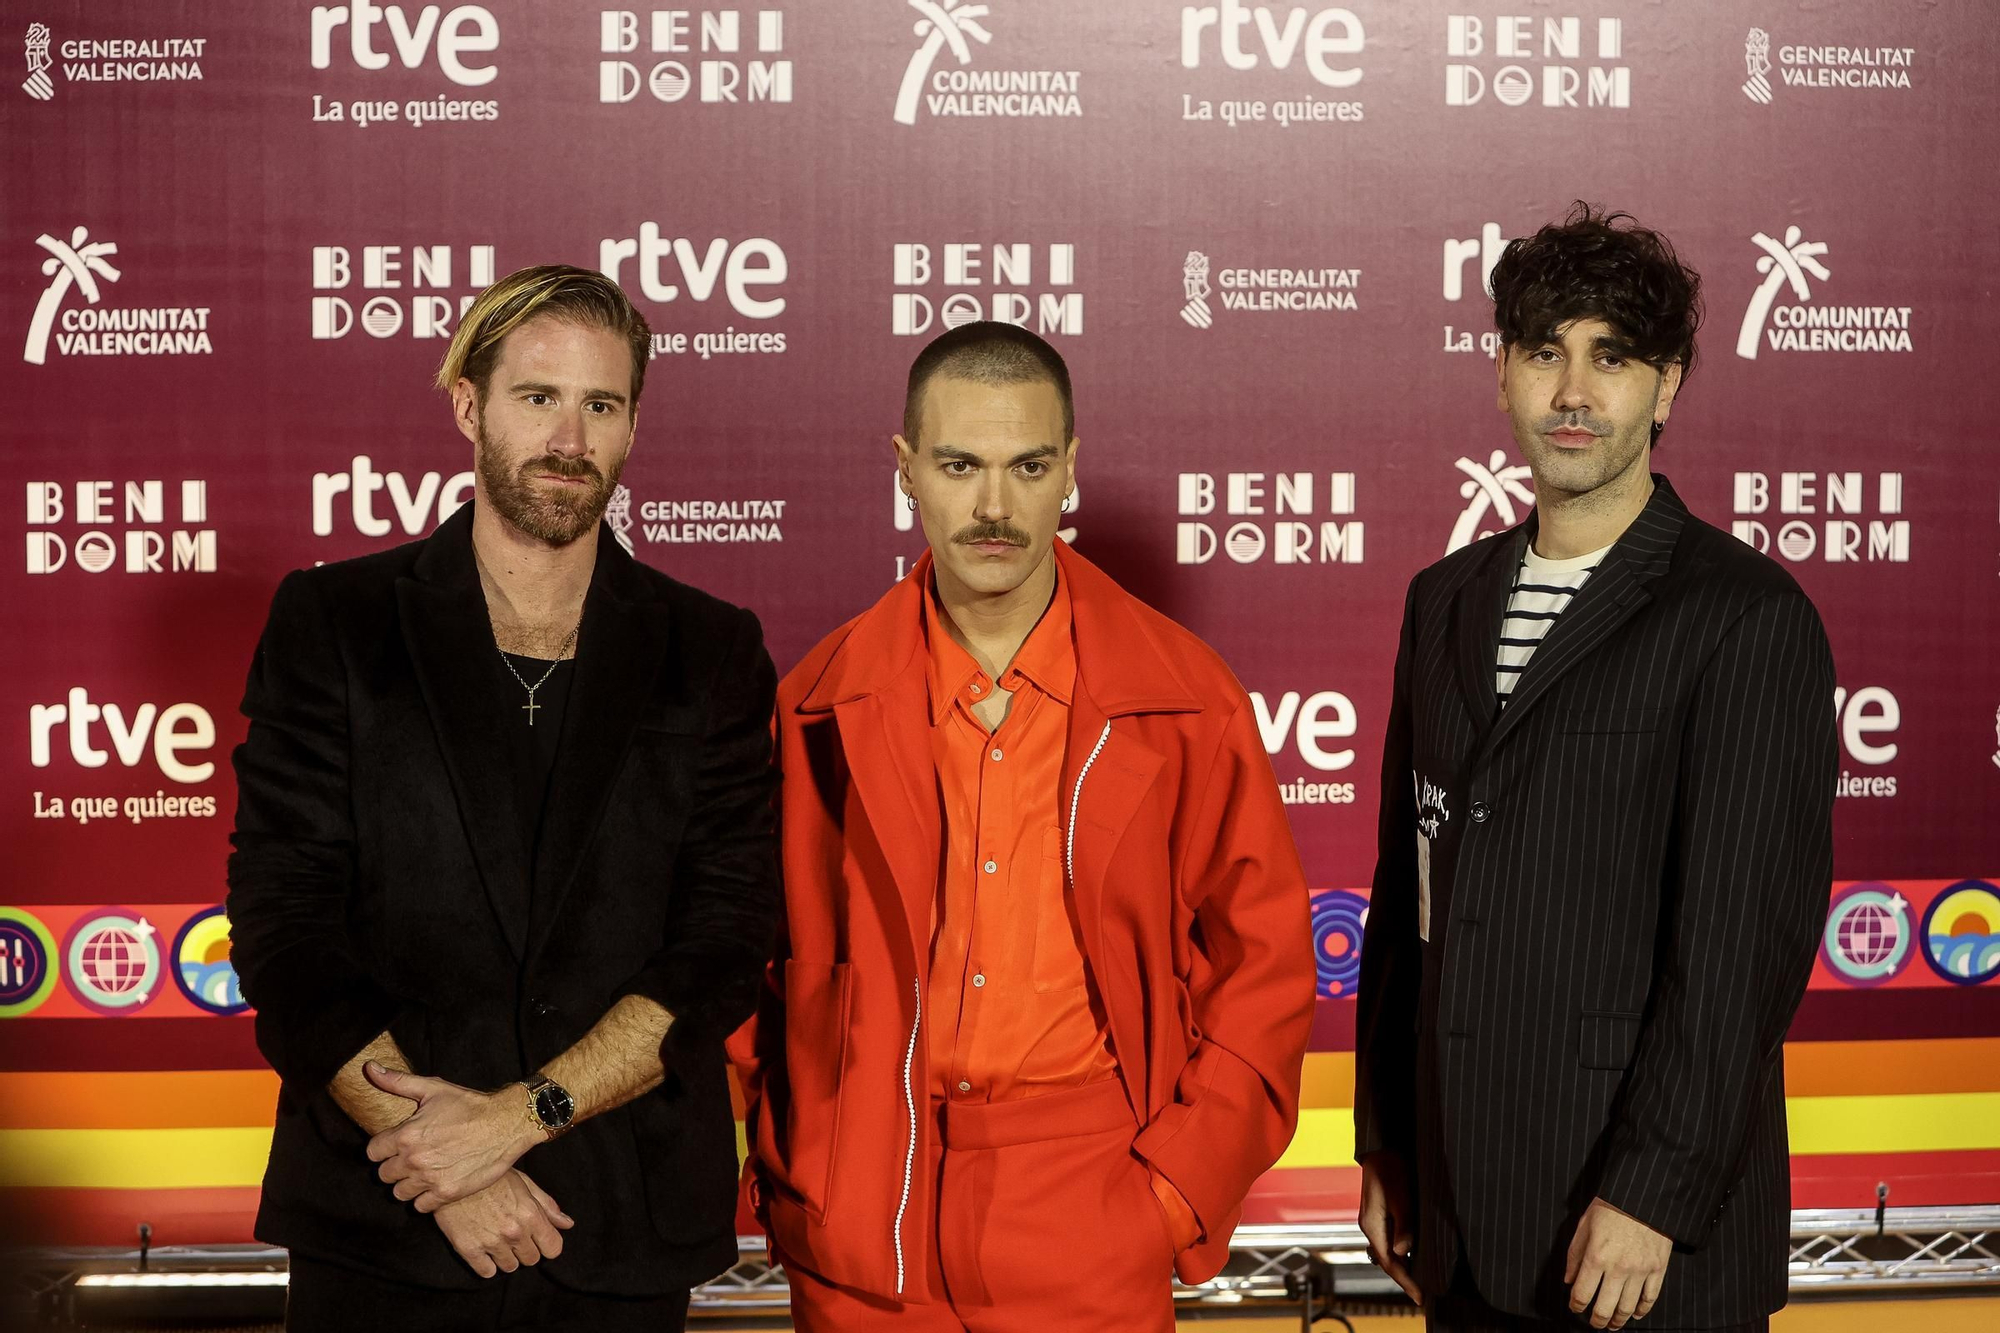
504, 875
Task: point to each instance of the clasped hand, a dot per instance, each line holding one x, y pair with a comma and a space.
455, 1144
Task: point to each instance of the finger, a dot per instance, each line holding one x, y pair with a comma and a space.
526, 1252
1649, 1294
549, 1206
1628, 1301
394, 1169
384, 1146
1589, 1275
1573, 1265
430, 1201
544, 1234
1606, 1304
476, 1260
1400, 1274
503, 1256
409, 1188
397, 1083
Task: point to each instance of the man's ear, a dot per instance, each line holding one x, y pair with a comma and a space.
906, 460
1670, 385
465, 408
1500, 376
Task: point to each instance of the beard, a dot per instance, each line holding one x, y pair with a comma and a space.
557, 515
1579, 472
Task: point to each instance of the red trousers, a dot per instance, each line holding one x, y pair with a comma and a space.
1046, 1224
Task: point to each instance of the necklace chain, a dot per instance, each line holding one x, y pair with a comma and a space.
531, 707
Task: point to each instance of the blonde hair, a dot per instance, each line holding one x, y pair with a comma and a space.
578, 295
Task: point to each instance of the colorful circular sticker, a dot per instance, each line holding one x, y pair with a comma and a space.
1338, 919
27, 963
1869, 937
1962, 933
112, 961
201, 964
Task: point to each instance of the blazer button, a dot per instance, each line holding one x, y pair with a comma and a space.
1481, 812
540, 1008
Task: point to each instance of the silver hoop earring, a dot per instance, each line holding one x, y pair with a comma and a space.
1067, 499
910, 500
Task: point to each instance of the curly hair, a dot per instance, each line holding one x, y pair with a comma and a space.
1600, 265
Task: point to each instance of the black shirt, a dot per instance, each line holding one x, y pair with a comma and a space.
534, 747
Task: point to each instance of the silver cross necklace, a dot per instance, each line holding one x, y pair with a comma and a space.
531, 707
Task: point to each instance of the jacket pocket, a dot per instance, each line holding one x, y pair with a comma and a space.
818, 998
1607, 1040
1599, 720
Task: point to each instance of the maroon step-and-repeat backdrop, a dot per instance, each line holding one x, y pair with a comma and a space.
235, 238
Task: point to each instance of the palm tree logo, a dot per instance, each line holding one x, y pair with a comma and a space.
75, 264
943, 23
1493, 488
1780, 264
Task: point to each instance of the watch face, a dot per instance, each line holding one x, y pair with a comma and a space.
554, 1105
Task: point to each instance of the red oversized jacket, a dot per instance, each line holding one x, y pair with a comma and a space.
1188, 891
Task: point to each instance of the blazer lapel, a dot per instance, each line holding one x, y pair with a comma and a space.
1614, 593
445, 628
888, 747
1477, 611
621, 649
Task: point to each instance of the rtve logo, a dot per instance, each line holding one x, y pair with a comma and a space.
466, 30
1329, 33
172, 732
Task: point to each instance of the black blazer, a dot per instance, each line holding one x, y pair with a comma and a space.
381, 881
1628, 872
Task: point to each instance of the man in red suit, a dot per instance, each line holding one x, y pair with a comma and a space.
1040, 1011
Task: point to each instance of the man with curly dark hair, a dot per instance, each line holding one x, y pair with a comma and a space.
1605, 852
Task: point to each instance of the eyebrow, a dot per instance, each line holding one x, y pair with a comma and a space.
611, 395
951, 453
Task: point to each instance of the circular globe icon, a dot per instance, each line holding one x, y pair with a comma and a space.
1868, 937
114, 962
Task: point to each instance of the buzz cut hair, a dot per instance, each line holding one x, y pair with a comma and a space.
577, 296
987, 352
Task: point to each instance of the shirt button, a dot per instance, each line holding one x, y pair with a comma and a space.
996, 756
1481, 812
979, 978
975, 687
963, 1086
992, 866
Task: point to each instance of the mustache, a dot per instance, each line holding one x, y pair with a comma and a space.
562, 467
1573, 421
979, 533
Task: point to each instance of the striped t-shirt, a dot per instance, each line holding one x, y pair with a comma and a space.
1542, 591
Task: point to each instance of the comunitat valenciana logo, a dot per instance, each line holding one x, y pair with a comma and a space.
1496, 496
1790, 268
943, 79
75, 315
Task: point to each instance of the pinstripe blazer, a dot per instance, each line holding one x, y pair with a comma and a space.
1627, 870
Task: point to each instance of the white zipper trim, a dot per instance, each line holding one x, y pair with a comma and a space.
910, 1151
1076, 798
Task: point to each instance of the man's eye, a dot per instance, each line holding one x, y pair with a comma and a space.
1035, 469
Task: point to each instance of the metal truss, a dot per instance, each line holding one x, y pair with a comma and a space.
1832, 1252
